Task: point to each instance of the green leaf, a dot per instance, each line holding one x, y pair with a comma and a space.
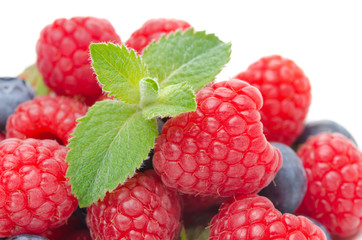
192, 57
118, 70
108, 144
172, 100
148, 90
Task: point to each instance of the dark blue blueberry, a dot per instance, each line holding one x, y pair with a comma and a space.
288, 188
314, 127
13, 92
27, 237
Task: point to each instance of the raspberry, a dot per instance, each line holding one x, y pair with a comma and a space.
13, 92
254, 217
45, 117
63, 55
2, 136
334, 172
141, 208
219, 149
287, 96
35, 195
153, 29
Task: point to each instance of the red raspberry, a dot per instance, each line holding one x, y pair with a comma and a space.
334, 172
219, 149
45, 117
254, 217
35, 195
153, 29
141, 208
2, 136
287, 95
63, 55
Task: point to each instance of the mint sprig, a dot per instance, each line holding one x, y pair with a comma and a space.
113, 138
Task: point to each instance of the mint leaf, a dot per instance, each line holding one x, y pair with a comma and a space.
172, 100
192, 57
118, 70
148, 90
108, 144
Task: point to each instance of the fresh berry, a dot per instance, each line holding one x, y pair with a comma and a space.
2, 136
333, 166
63, 55
288, 188
312, 128
13, 91
287, 96
254, 217
219, 149
35, 194
45, 117
141, 208
152, 30
27, 237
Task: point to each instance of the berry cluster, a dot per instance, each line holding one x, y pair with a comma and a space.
244, 165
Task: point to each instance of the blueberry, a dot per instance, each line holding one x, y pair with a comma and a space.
314, 127
13, 92
27, 237
288, 188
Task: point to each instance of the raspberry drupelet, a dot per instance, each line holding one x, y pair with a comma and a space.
219, 149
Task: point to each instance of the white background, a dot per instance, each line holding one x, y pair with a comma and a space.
323, 37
